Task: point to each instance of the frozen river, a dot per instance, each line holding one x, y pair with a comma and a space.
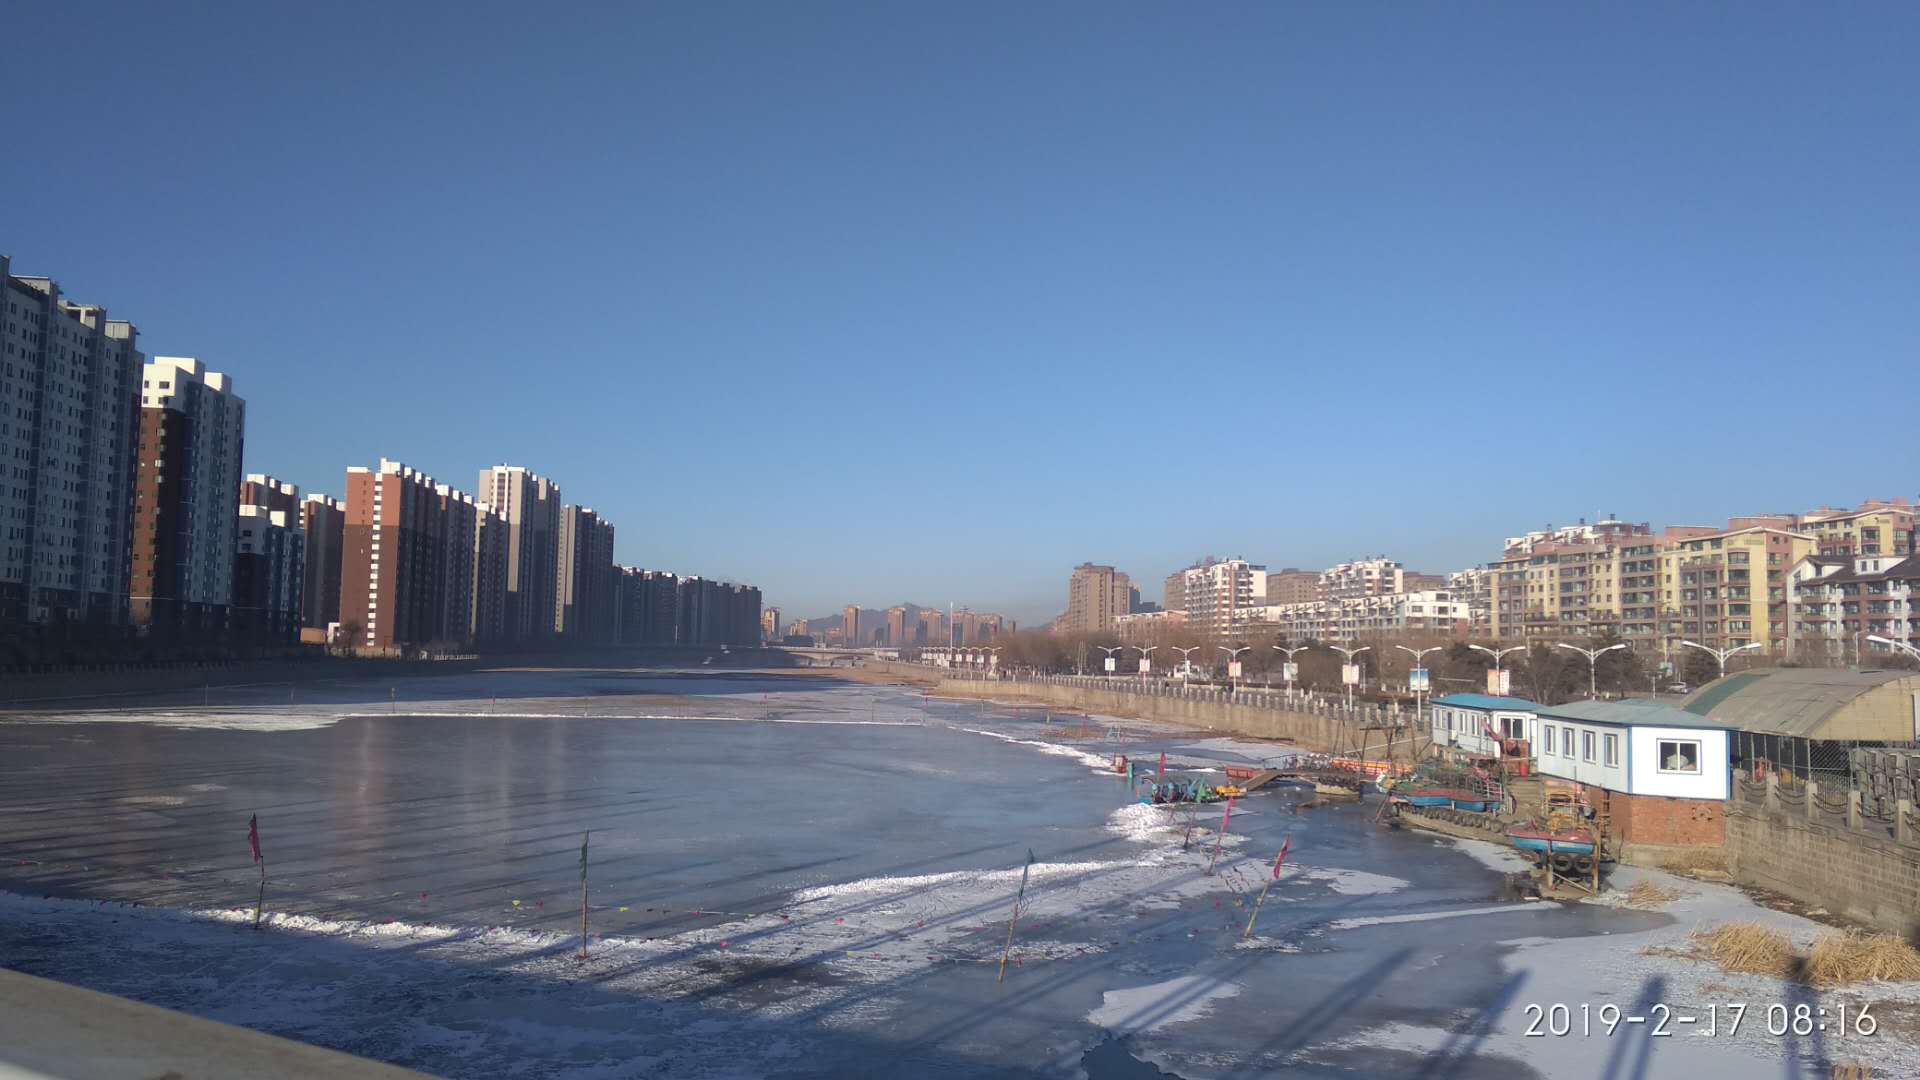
799, 876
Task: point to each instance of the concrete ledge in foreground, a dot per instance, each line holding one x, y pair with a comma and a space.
49, 1029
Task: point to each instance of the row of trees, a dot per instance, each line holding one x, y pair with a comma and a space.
1541, 673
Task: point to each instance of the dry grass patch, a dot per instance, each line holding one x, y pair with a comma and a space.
1850, 956
1747, 948
1695, 861
1645, 894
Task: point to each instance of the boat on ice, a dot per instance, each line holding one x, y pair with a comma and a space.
1541, 840
1432, 797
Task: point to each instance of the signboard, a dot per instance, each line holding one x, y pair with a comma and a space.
1292, 671
1499, 682
1417, 680
1233, 669
1146, 665
1350, 674
1109, 663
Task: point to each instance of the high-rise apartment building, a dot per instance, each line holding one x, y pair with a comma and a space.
269, 565
186, 496
897, 626
1174, 591
69, 379
487, 624
323, 520
455, 577
1096, 595
1221, 595
531, 505
259, 489
850, 625
584, 585
404, 584
770, 624
1568, 584
650, 607
1727, 589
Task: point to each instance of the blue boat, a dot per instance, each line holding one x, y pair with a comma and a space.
1536, 839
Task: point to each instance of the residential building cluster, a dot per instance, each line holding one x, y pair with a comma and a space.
1816, 586
902, 626
124, 504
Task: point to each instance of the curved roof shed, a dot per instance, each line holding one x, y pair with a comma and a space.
1814, 703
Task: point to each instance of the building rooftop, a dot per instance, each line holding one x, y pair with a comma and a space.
1630, 711
1488, 701
1784, 701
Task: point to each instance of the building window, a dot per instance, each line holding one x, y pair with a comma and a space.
1566, 742
1679, 756
1546, 738
1586, 746
1612, 750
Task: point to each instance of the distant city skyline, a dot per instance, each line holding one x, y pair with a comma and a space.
942, 304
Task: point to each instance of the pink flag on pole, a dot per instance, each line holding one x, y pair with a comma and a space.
1285, 846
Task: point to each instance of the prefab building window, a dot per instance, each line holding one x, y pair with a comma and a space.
1566, 741
1679, 756
1612, 746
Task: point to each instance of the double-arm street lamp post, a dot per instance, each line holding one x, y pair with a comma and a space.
1593, 663
1110, 651
1290, 668
1186, 659
1499, 656
1146, 661
1350, 654
1722, 655
1420, 665
1233, 660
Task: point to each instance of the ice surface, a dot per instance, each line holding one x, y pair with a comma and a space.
1145, 1008
800, 877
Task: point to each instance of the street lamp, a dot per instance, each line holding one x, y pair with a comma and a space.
1721, 654
1146, 662
1110, 652
1420, 665
1186, 657
1289, 669
1350, 654
1233, 660
1593, 663
1895, 644
1499, 655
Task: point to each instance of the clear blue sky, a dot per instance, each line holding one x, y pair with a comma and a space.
896, 302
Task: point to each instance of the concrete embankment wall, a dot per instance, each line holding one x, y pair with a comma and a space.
1807, 845
1308, 731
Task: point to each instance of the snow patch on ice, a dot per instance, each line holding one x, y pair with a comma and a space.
1497, 857
1146, 1008
1091, 761
1145, 824
1429, 916
1347, 882
888, 886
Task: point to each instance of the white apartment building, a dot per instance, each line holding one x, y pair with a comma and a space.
1837, 601
1222, 595
67, 429
1362, 577
1434, 611
186, 494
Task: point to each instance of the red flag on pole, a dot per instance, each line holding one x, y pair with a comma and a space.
1285, 846
1163, 764
253, 836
